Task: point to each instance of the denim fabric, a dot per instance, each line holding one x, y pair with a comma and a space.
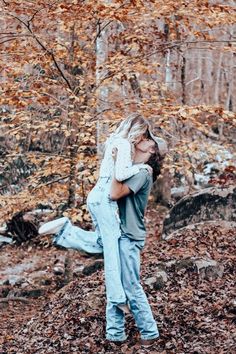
122, 265
104, 213
115, 323
74, 237
139, 306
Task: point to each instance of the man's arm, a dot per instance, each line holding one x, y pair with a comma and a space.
119, 190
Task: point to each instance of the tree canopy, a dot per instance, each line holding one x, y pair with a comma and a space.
70, 70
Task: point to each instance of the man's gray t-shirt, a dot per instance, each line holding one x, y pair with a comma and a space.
132, 207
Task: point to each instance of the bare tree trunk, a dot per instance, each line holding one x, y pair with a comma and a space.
72, 177
183, 79
73, 140
229, 97
217, 80
168, 73
102, 105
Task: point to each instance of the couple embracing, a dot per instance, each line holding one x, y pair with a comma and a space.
117, 203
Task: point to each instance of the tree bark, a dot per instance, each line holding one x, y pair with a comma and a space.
183, 79
102, 53
217, 79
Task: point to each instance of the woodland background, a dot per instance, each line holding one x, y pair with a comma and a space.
69, 72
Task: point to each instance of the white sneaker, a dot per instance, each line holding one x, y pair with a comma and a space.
52, 227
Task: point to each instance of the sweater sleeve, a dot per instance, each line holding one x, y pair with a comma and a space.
123, 164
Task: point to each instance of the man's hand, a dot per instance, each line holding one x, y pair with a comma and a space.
118, 190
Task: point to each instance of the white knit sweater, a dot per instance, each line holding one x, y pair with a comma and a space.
122, 167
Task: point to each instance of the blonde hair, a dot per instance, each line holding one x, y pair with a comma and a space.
132, 128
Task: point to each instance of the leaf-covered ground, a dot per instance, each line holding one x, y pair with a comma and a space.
195, 308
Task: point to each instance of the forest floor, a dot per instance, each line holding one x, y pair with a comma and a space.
189, 280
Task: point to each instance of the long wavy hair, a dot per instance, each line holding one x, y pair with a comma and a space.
156, 162
132, 128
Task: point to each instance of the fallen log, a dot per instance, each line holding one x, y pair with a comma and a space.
208, 204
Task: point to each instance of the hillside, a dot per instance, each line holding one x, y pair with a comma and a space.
189, 280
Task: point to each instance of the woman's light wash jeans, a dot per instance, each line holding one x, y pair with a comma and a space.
75, 237
105, 216
104, 213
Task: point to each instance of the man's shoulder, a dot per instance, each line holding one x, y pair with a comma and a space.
144, 174
141, 180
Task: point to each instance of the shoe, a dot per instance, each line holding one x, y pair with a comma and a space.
146, 343
124, 307
52, 227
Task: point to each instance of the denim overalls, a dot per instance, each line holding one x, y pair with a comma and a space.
105, 216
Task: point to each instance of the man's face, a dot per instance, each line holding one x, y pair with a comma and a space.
146, 145
145, 148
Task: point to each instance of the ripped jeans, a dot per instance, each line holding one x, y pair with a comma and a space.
105, 216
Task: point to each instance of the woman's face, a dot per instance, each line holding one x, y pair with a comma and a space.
142, 136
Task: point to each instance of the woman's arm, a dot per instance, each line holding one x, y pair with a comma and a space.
123, 162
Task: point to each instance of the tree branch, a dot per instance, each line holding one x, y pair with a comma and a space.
42, 8
50, 53
51, 182
101, 29
33, 16
8, 40
14, 36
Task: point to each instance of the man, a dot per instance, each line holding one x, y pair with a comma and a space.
132, 196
